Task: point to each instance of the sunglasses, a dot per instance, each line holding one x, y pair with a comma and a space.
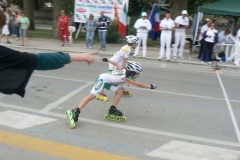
91, 16
62, 12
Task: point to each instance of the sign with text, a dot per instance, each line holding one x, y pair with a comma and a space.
83, 8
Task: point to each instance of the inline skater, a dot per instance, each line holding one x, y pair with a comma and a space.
111, 80
121, 57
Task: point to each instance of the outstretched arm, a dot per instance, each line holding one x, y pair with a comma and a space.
115, 63
142, 85
80, 57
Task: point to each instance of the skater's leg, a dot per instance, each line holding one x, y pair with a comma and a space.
86, 100
117, 97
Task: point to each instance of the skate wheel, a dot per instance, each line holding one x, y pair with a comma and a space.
104, 99
112, 117
106, 116
68, 113
118, 118
123, 119
72, 125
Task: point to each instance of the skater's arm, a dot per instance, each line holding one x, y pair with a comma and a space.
115, 63
125, 62
142, 85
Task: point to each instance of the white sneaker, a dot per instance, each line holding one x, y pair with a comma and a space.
90, 47
168, 59
85, 47
218, 58
209, 62
17, 39
181, 57
202, 61
175, 58
160, 57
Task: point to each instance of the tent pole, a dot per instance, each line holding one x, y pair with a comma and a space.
195, 33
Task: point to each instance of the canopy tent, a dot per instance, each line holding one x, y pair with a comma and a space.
222, 7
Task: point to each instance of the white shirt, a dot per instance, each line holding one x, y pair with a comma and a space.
7, 18
211, 33
203, 29
142, 23
167, 23
225, 38
238, 36
182, 21
122, 53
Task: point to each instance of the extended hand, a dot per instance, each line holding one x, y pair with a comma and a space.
153, 85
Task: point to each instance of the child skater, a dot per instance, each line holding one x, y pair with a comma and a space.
121, 57
111, 80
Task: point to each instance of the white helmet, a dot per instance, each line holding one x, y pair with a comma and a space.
132, 39
134, 66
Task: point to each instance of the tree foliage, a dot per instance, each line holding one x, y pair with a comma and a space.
38, 4
193, 4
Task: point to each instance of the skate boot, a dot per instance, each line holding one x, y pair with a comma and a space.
115, 115
102, 97
126, 92
72, 116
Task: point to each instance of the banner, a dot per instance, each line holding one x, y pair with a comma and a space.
83, 8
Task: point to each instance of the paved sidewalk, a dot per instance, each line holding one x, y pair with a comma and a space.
152, 53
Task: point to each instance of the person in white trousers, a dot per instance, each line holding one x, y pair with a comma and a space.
236, 55
143, 26
166, 26
181, 23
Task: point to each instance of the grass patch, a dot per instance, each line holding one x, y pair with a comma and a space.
47, 34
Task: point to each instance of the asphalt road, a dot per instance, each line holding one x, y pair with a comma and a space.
186, 117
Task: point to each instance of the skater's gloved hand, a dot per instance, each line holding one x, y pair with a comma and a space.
104, 59
153, 85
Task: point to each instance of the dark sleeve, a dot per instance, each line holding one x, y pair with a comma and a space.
15, 70
10, 58
204, 34
216, 38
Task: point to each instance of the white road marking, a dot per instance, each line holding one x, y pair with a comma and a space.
165, 92
176, 150
17, 119
132, 128
63, 99
229, 108
163, 65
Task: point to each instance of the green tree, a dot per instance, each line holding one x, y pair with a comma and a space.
28, 8
58, 5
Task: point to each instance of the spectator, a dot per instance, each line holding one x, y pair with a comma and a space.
224, 36
62, 27
14, 18
166, 26
17, 24
181, 23
72, 19
5, 29
90, 26
24, 25
142, 26
236, 55
210, 40
202, 30
103, 23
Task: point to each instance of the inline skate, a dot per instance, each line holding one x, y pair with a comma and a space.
72, 116
115, 115
102, 97
126, 92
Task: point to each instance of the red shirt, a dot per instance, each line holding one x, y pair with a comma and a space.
63, 22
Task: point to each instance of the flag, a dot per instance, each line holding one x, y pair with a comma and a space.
123, 22
143, 10
116, 19
154, 19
